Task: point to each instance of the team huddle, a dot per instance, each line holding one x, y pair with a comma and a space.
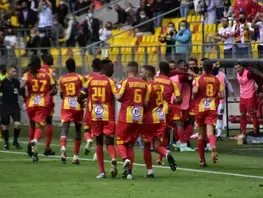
151, 106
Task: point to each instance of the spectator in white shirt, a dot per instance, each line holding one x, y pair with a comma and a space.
224, 34
258, 23
242, 32
10, 41
45, 15
105, 33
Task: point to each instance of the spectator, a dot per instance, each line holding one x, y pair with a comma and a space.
242, 32
184, 8
258, 23
14, 19
4, 5
34, 5
157, 8
224, 34
169, 5
169, 40
210, 17
10, 41
57, 32
219, 4
248, 7
183, 40
80, 5
71, 32
44, 43
33, 42
45, 16
145, 29
2, 47
27, 16
62, 12
144, 6
122, 16
131, 16
91, 28
228, 9
105, 33
81, 38
3, 19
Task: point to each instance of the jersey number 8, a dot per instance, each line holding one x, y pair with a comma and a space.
209, 90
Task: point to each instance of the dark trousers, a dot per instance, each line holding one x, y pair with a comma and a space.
228, 53
260, 51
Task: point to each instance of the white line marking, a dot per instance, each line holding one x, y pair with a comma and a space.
23, 160
163, 167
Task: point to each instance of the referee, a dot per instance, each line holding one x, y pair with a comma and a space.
10, 88
2, 77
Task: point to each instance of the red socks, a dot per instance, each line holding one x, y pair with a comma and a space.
122, 151
201, 149
76, 147
48, 136
212, 140
87, 136
255, 124
31, 134
131, 155
189, 131
112, 151
63, 141
161, 150
38, 133
100, 157
243, 124
180, 133
147, 156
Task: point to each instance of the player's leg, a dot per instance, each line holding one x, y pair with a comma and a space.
63, 140
219, 122
100, 156
243, 120
87, 134
252, 106
49, 132
181, 135
77, 143
148, 159
16, 118
109, 141
165, 142
189, 127
5, 120
31, 134
210, 121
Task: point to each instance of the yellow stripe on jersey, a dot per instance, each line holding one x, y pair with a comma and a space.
113, 86
134, 114
148, 93
176, 89
100, 112
123, 87
82, 80
165, 107
197, 81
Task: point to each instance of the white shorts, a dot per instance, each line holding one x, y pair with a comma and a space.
220, 109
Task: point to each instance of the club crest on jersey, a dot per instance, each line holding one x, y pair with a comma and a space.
72, 102
160, 113
37, 100
136, 113
99, 110
207, 103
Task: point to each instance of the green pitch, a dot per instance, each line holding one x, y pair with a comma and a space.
239, 173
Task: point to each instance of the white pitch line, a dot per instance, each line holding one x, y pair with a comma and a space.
22, 160
163, 167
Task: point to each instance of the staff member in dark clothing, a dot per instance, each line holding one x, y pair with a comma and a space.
2, 77
10, 88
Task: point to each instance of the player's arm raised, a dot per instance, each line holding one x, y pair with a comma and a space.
121, 90
178, 97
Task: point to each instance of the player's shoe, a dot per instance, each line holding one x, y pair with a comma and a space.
6, 146
101, 176
159, 162
34, 151
75, 161
95, 157
49, 152
88, 146
208, 148
214, 155
203, 164
17, 145
129, 176
185, 148
177, 145
125, 166
238, 137
171, 162
29, 149
114, 170
219, 138
63, 158
149, 176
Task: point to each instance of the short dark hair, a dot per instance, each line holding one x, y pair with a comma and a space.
164, 68
150, 69
208, 66
181, 61
71, 65
11, 67
103, 65
133, 66
96, 64
47, 58
193, 59
203, 59
34, 64
172, 61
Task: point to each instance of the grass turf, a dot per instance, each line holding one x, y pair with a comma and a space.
20, 177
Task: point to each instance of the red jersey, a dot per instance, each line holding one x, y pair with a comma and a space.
87, 77
169, 88
71, 85
38, 89
133, 92
209, 88
101, 90
49, 70
153, 113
